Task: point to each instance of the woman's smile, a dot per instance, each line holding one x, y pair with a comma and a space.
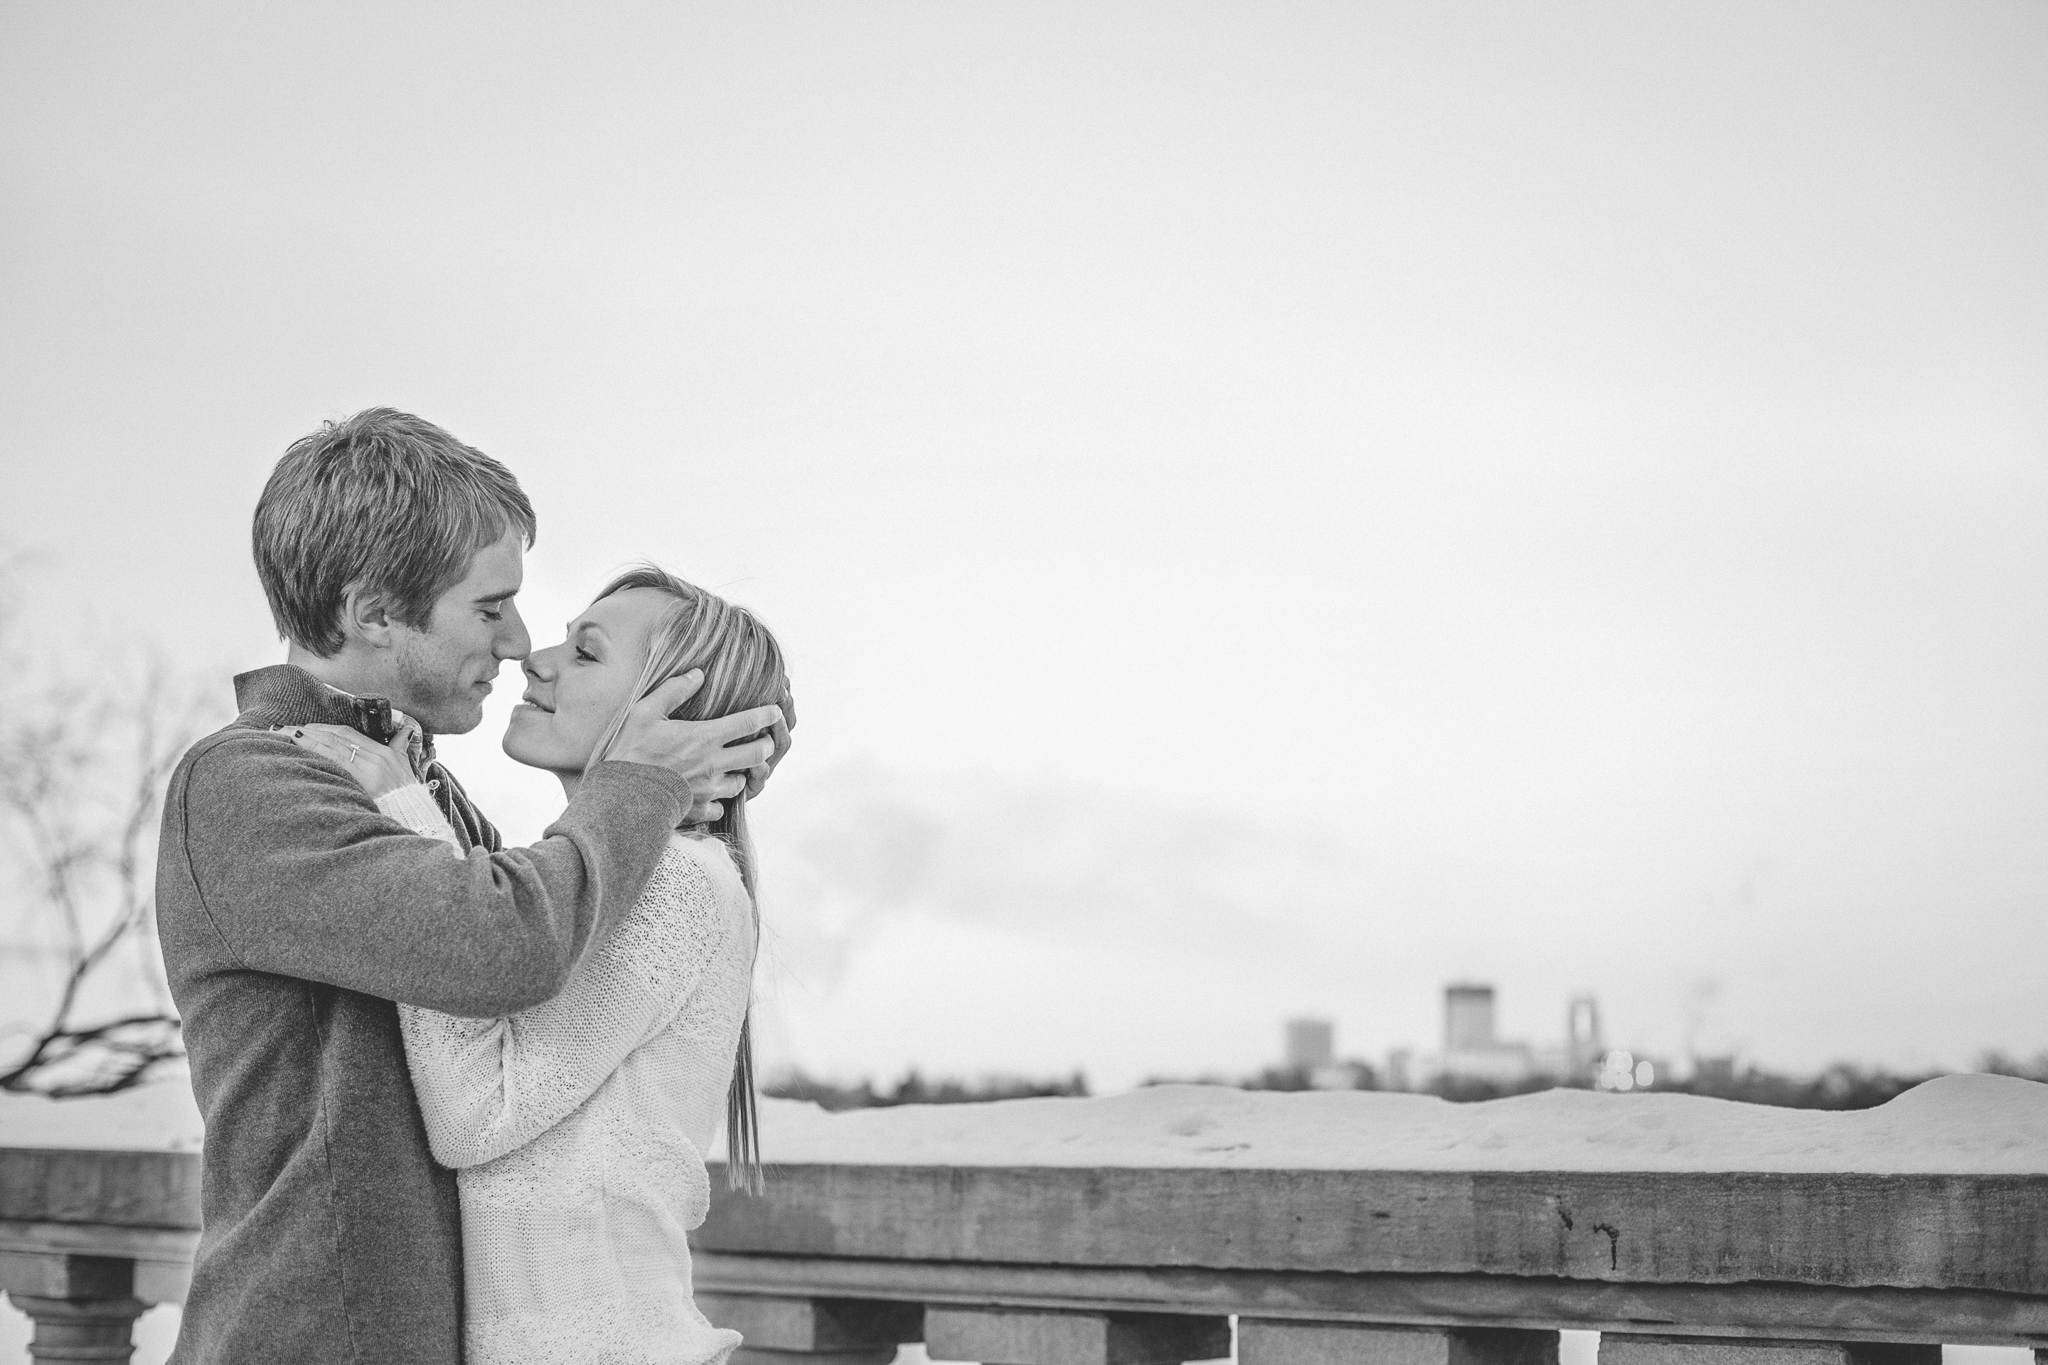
580, 684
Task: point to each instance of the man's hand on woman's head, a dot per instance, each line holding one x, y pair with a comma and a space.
778, 733
718, 758
380, 768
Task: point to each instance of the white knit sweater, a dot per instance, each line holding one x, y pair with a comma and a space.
579, 1126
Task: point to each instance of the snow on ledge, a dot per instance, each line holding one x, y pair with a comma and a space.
160, 1116
1960, 1125
1974, 1125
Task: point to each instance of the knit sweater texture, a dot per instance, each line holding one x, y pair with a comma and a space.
293, 915
579, 1126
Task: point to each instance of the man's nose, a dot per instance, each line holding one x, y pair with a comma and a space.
513, 642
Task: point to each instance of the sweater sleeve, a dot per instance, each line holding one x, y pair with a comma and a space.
487, 1087
299, 874
413, 806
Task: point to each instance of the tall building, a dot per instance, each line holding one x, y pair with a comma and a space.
1471, 1049
1474, 1051
1582, 1043
1310, 1043
1468, 1017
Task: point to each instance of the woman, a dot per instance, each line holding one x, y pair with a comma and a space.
578, 1126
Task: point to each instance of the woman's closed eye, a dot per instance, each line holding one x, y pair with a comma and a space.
585, 655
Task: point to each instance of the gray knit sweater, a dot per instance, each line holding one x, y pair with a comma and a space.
293, 914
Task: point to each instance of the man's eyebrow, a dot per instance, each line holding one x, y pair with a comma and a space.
489, 598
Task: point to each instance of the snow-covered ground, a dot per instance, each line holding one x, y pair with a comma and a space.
1956, 1124
159, 1117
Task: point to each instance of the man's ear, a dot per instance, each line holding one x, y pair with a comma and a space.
366, 616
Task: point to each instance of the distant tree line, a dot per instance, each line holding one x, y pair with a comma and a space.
915, 1089
1841, 1086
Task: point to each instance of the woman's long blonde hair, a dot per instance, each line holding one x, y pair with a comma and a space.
742, 669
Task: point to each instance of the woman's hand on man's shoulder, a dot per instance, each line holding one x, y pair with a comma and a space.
377, 768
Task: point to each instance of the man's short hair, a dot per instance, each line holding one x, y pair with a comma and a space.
382, 501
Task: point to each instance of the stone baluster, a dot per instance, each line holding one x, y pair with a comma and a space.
83, 1307
1273, 1341
1032, 1336
805, 1331
1617, 1348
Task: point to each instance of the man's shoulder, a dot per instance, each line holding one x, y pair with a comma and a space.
235, 747
226, 789
251, 767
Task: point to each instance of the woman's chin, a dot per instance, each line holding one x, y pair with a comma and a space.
519, 749
538, 745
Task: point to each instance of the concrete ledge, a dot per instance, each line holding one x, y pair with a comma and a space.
125, 1189
1986, 1232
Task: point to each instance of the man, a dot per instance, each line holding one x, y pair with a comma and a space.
293, 914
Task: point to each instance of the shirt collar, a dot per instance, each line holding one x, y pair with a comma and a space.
285, 694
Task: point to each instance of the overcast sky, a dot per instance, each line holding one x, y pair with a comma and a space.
1272, 507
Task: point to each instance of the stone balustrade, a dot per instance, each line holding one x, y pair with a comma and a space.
840, 1264
89, 1240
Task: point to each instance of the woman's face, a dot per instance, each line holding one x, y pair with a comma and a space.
573, 689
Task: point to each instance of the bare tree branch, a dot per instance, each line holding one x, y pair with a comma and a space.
83, 766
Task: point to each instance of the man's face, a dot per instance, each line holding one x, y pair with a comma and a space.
444, 672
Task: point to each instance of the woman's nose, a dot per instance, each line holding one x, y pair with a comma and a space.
537, 665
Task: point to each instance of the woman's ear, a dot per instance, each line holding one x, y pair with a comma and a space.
366, 616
